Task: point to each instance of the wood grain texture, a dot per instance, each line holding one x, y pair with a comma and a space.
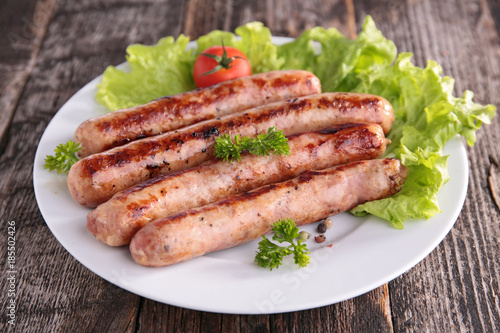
494, 181
55, 292
282, 17
367, 313
454, 289
22, 34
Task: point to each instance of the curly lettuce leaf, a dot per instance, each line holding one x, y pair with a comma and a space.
427, 117
155, 71
339, 60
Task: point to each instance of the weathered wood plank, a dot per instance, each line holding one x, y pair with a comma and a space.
455, 288
494, 6
158, 317
494, 181
367, 313
22, 29
286, 18
55, 292
283, 18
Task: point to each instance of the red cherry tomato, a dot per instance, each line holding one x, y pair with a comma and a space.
234, 64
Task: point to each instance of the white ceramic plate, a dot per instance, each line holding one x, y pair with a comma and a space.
364, 253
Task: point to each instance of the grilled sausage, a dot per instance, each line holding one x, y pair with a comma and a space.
96, 178
238, 219
116, 221
172, 112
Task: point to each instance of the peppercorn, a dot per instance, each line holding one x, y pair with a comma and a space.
328, 223
320, 238
304, 235
321, 228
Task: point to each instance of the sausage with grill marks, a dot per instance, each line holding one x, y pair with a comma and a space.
116, 221
312, 196
96, 178
172, 112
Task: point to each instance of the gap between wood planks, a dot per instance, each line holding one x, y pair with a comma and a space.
351, 19
38, 25
494, 181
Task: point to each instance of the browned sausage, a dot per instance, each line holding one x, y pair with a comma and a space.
172, 112
238, 219
96, 178
116, 221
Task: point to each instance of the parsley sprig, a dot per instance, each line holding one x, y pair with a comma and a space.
270, 255
63, 158
274, 140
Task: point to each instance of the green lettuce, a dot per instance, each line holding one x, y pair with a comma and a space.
338, 60
155, 71
427, 113
427, 117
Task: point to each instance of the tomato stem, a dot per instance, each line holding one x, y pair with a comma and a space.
222, 61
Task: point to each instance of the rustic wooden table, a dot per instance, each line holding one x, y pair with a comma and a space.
52, 48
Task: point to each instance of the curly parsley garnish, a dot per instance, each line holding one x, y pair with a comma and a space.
63, 158
274, 140
270, 255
